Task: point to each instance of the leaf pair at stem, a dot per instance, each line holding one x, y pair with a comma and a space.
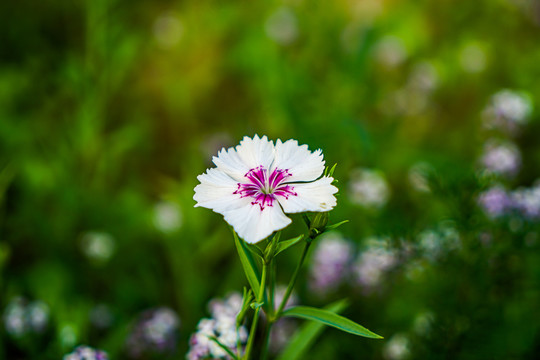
257, 282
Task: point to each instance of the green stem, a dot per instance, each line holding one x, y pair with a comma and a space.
271, 288
271, 308
256, 315
290, 287
267, 330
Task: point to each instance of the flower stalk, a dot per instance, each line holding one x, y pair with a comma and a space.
260, 299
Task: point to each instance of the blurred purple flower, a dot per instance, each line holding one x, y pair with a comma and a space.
222, 326
508, 110
155, 332
330, 261
501, 158
86, 353
527, 201
495, 201
373, 262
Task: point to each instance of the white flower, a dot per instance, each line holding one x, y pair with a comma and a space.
255, 182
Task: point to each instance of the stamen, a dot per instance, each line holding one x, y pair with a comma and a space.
264, 189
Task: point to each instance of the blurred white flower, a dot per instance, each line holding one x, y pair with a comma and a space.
256, 182
228, 307
507, 110
86, 353
373, 262
168, 30
435, 243
98, 246
501, 158
38, 314
22, 317
368, 188
222, 325
397, 348
282, 26
527, 201
330, 263
390, 51
167, 216
155, 332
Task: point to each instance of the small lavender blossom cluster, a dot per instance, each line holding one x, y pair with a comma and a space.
501, 158
86, 353
334, 259
435, 243
497, 201
222, 326
507, 111
23, 318
330, 262
373, 263
155, 332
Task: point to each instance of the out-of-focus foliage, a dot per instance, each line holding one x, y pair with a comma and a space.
110, 109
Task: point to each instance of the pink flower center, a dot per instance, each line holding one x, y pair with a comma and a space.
263, 188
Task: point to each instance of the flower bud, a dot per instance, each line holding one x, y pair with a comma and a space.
318, 224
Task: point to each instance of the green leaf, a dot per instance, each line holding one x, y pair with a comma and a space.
255, 305
255, 250
247, 298
333, 226
284, 245
308, 333
330, 172
306, 219
329, 318
227, 350
249, 265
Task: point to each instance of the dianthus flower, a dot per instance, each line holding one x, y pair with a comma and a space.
256, 182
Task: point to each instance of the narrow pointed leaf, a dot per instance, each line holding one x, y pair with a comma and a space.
333, 226
329, 318
225, 348
284, 245
308, 333
255, 250
249, 265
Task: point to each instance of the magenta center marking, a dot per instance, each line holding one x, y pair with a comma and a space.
263, 188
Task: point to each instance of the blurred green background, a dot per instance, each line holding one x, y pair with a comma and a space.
110, 109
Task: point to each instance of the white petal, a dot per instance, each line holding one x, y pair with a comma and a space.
314, 196
216, 192
256, 152
253, 224
229, 162
249, 154
303, 164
